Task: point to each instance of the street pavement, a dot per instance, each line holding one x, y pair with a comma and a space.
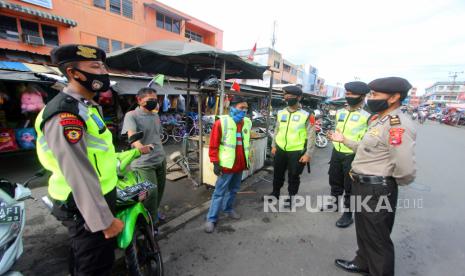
428, 237
428, 240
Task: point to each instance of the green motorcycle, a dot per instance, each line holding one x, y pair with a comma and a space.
142, 253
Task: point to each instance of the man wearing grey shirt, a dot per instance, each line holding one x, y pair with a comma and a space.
152, 166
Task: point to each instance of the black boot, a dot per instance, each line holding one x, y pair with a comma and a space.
288, 202
345, 220
334, 207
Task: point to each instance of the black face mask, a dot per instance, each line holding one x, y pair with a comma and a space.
354, 101
95, 82
292, 101
151, 105
376, 106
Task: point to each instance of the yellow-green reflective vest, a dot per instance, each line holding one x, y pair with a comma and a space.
227, 151
353, 125
292, 130
100, 152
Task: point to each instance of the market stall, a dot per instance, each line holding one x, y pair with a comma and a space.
22, 96
188, 60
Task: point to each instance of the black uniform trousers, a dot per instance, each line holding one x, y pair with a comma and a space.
90, 253
373, 229
339, 179
287, 160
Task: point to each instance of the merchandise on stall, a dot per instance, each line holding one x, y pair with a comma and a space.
8, 140
26, 138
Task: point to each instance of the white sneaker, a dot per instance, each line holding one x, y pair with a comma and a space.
209, 227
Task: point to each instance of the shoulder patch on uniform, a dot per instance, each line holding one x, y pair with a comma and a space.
395, 136
72, 127
68, 119
394, 120
73, 134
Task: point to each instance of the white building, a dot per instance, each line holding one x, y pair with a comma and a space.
445, 93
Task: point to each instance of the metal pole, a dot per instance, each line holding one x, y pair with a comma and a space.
223, 76
199, 106
188, 94
270, 92
269, 107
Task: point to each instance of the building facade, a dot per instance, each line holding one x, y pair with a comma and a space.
36, 26
445, 93
285, 71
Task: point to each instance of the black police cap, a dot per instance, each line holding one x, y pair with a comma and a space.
357, 87
390, 85
293, 89
76, 52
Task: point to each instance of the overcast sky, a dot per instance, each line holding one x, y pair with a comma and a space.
421, 40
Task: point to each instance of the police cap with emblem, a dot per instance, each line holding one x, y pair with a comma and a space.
391, 85
293, 90
76, 52
357, 87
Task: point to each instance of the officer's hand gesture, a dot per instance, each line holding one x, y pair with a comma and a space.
273, 151
336, 137
114, 229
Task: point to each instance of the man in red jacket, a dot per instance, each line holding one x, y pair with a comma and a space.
229, 153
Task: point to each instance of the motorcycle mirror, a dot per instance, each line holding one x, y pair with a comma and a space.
40, 173
22, 193
135, 137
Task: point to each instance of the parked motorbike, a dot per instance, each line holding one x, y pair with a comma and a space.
449, 120
138, 238
321, 141
13, 220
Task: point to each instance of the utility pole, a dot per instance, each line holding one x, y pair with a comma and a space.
454, 76
270, 92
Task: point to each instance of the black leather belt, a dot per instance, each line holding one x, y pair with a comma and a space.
371, 179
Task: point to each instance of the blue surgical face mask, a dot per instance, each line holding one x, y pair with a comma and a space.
236, 114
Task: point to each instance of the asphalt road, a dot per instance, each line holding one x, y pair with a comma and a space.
428, 240
428, 237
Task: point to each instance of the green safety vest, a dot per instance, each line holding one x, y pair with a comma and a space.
100, 149
353, 125
227, 151
292, 130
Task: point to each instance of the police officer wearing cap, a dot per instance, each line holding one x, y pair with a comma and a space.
352, 122
76, 146
384, 159
293, 143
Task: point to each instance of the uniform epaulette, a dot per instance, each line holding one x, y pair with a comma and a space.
61, 103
